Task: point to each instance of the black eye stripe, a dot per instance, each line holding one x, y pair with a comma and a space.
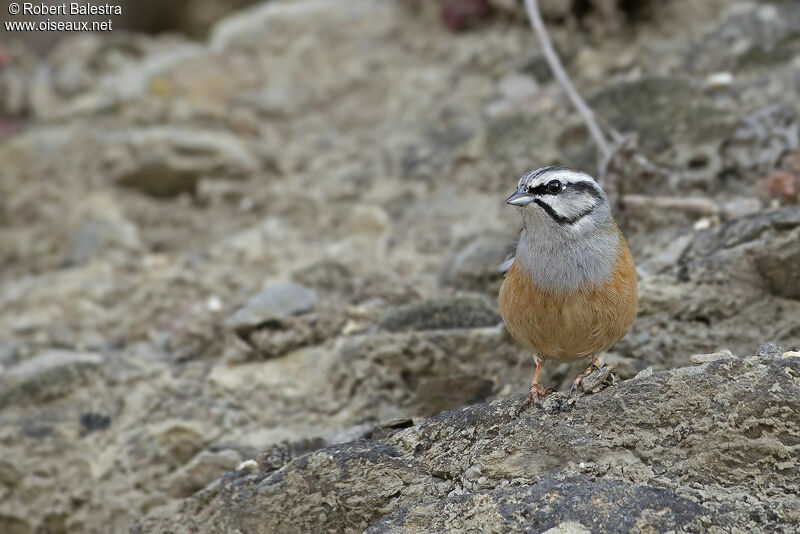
584, 187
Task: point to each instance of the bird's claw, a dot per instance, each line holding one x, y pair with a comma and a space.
536, 394
579, 379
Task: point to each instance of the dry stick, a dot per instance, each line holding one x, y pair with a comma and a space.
560, 74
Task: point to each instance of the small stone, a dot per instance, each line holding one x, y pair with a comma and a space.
791, 354
595, 380
719, 80
46, 376
251, 466
698, 359
473, 473
277, 302
93, 422
703, 223
168, 161
740, 207
213, 303
644, 373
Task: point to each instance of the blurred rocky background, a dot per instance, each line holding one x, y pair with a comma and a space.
240, 235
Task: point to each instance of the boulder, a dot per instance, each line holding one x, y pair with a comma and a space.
672, 450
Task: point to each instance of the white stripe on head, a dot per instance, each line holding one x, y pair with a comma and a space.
545, 175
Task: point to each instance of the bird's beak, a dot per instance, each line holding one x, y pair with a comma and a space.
519, 198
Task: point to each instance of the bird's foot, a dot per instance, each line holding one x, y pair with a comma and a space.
536, 394
578, 379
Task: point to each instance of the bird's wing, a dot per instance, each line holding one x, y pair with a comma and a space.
506, 265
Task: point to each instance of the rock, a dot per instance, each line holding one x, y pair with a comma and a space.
102, 227
167, 161
93, 422
327, 275
767, 241
553, 506
281, 319
277, 302
281, 454
247, 26
750, 39
741, 207
390, 479
276, 338
665, 112
9, 475
598, 379
779, 264
769, 350
380, 376
763, 240
475, 266
444, 313
46, 376
695, 305
644, 373
705, 358
94, 236
761, 139
201, 470
615, 456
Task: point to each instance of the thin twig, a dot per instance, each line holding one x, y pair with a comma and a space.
560, 74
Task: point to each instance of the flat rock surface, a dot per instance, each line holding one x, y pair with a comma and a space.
673, 451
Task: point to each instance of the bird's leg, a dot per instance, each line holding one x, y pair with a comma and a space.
537, 391
578, 379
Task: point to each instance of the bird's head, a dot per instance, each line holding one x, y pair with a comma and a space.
563, 199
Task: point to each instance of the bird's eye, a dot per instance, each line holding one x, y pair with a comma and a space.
554, 187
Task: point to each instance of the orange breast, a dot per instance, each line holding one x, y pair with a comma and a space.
571, 325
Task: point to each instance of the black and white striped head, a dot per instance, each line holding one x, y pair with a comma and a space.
564, 198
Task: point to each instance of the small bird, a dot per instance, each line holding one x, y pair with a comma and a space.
570, 287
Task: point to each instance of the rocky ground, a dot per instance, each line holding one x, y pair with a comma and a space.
280, 244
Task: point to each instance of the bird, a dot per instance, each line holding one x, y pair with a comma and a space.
569, 291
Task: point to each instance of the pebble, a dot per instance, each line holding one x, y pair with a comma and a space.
712, 357
277, 302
